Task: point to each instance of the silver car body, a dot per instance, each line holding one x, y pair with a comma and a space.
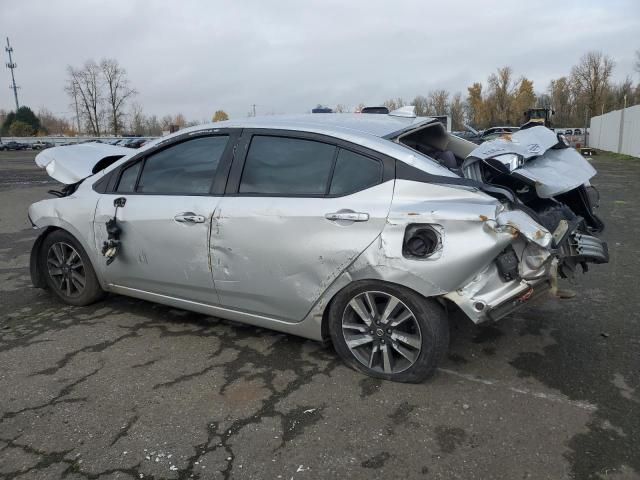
277, 262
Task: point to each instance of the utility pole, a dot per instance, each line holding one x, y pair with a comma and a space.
254, 109
75, 99
11, 66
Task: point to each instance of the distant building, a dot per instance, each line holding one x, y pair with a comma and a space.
321, 109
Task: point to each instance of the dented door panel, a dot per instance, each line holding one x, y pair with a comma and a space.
277, 255
159, 253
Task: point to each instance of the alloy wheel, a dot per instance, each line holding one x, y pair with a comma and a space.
381, 332
66, 269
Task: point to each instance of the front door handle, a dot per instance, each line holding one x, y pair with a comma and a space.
349, 216
189, 217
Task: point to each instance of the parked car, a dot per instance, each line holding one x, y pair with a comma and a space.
136, 142
491, 133
577, 131
14, 146
41, 145
502, 129
363, 230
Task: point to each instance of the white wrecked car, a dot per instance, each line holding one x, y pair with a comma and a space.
359, 229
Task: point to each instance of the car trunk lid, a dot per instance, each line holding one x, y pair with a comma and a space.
71, 163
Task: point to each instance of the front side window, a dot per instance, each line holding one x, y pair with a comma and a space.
128, 178
188, 167
354, 172
287, 166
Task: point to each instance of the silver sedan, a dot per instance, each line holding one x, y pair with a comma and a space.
360, 229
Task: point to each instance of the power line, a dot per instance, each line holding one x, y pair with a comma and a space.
11, 66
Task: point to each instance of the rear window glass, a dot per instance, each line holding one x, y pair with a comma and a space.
287, 166
354, 172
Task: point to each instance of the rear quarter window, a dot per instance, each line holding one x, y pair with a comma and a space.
354, 172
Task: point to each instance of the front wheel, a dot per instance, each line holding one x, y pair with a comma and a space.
68, 270
388, 331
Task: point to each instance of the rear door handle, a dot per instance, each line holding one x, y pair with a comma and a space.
189, 217
349, 216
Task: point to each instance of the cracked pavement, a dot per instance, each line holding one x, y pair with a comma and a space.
130, 389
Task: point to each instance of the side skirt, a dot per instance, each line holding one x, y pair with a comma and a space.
306, 328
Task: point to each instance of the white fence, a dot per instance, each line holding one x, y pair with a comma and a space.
617, 131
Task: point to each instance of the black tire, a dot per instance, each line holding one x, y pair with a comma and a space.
426, 326
71, 291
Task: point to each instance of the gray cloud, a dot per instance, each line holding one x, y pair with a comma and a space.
287, 55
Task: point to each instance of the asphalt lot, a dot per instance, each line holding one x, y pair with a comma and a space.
130, 389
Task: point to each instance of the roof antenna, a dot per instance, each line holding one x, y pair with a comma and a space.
409, 111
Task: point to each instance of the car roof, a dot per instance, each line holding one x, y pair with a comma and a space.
377, 125
372, 131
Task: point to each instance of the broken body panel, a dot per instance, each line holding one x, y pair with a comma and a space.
72, 163
491, 253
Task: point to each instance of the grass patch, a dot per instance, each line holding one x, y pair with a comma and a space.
615, 156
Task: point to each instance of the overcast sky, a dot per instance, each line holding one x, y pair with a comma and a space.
285, 56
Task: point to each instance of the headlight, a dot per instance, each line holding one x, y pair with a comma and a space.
510, 160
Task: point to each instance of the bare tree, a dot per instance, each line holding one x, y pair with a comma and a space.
340, 108
138, 121
456, 112
394, 103
590, 79
438, 101
118, 91
152, 126
52, 124
180, 121
561, 98
85, 85
621, 95
637, 64
421, 105
390, 104
173, 121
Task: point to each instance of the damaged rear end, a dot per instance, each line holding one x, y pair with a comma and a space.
551, 182
539, 225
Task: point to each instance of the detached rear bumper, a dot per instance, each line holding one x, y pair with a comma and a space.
491, 296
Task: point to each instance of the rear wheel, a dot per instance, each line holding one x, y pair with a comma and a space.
68, 270
387, 331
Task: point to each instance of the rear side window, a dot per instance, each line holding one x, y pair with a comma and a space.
354, 172
188, 167
287, 166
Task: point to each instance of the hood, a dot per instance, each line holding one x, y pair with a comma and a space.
530, 154
72, 163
